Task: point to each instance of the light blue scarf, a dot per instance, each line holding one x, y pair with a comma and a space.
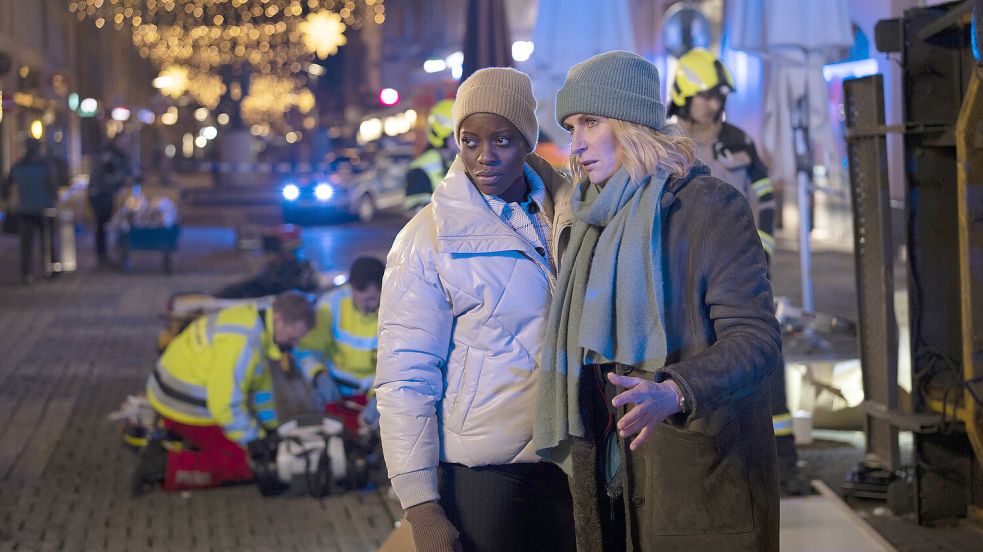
608, 299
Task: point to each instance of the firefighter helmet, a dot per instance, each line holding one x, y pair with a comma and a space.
699, 71
440, 123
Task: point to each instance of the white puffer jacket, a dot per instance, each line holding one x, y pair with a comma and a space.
464, 306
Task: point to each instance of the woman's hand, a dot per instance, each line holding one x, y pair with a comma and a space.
653, 403
432, 531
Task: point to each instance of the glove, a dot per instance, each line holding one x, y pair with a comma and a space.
325, 389
369, 417
432, 531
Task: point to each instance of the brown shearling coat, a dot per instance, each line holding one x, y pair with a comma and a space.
708, 480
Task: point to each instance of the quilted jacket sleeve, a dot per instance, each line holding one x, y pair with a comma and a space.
415, 322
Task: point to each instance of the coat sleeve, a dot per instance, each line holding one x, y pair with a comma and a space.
228, 388
415, 321
738, 300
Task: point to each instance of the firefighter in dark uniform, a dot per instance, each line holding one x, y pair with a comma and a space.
429, 168
699, 91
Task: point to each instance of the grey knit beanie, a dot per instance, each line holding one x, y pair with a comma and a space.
619, 85
500, 91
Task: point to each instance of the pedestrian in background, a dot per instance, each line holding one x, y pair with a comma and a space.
464, 303
29, 190
661, 333
110, 172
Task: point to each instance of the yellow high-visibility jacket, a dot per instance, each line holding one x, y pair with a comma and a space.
344, 343
432, 165
217, 372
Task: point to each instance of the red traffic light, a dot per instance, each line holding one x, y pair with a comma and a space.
388, 96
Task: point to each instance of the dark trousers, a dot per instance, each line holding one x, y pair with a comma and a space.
788, 457
30, 225
513, 507
599, 514
102, 211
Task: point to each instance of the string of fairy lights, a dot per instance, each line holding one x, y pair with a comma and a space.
269, 40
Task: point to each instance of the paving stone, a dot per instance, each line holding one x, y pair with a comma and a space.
74, 348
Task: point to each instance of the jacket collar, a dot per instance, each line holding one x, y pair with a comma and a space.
676, 184
559, 192
272, 350
466, 224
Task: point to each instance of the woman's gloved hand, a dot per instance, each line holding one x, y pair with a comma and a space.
432, 531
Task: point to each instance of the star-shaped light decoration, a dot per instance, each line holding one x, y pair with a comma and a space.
323, 32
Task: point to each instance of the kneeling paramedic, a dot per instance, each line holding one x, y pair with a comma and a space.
339, 354
213, 388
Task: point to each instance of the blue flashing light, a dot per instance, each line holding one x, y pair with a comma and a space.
290, 192
323, 191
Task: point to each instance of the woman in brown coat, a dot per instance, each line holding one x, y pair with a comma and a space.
661, 334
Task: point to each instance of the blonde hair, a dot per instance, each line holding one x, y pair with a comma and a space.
645, 150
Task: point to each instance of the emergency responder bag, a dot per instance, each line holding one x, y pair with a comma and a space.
307, 454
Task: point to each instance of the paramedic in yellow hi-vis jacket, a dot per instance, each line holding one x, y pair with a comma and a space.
339, 354
213, 387
428, 169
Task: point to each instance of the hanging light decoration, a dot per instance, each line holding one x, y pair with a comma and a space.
172, 81
272, 40
270, 35
323, 32
268, 47
271, 97
176, 80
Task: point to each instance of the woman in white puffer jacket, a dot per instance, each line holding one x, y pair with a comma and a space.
464, 302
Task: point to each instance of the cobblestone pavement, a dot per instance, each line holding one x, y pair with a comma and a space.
71, 349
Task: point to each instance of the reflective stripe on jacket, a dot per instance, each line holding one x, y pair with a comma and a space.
343, 342
216, 372
431, 163
418, 193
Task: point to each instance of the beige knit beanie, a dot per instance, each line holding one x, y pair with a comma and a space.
500, 91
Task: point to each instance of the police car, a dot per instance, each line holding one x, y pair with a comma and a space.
353, 187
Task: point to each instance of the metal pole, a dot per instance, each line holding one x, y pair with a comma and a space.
805, 250
803, 167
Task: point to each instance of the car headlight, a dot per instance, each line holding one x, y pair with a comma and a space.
290, 192
323, 191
